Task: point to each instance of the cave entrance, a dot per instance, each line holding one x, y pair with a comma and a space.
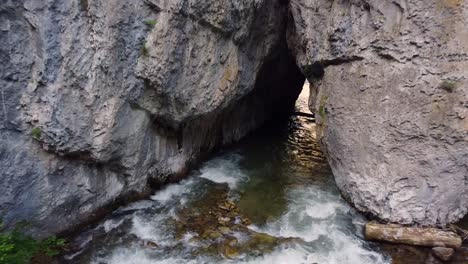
283, 155
279, 85
302, 102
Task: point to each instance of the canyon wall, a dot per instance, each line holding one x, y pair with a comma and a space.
101, 98
390, 94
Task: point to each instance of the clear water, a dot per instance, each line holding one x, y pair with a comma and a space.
277, 178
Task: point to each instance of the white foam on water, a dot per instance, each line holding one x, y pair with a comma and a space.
111, 224
125, 257
297, 254
311, 213
282, 256
140, 205
318, 217
152, 229
173, 191
138, 256
350, 250
323, 211
87, 240
224, 170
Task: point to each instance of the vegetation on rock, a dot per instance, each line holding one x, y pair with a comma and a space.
84, 4
144, 50
150, 22
18, 248
448, 86
36, 133
322, 111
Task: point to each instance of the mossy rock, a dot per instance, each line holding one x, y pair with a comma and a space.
448, 86
36, 133
229, 252
150, 22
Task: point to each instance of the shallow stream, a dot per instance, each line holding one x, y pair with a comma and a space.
270, 199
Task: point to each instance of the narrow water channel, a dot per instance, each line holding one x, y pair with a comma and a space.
270, 199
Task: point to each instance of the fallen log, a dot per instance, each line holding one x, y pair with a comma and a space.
460, 231
429, 237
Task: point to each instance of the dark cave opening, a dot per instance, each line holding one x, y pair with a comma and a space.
279, 84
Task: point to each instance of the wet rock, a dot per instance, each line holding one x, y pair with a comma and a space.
150, 244
211, 216
444, 254
224, 230
212, 234
229, 251
224, 220
231, 241
246, 221
227, 205
404, 254
262, 238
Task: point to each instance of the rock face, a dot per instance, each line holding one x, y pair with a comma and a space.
99, 98
391, 98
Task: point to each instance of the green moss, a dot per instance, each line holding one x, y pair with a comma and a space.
18, 248
448, 86
150, 22
36, 133
145, 50
84, 5
322, 110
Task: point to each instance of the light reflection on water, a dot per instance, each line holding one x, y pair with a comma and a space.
279, 180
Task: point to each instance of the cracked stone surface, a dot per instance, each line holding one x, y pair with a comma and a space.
98, 98
391, 98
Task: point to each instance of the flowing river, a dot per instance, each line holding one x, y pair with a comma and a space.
269, 199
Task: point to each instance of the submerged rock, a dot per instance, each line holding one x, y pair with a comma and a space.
150, 244
229, 251
201, 217
444, 254
224, 230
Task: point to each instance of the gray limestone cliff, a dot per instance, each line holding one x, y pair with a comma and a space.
101, 99
391, 98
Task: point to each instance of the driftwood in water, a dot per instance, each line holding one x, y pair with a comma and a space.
430, 237
304, 114
460, 231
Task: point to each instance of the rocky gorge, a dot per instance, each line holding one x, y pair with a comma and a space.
101, 100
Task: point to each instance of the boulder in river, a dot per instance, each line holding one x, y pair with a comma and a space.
389, 92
